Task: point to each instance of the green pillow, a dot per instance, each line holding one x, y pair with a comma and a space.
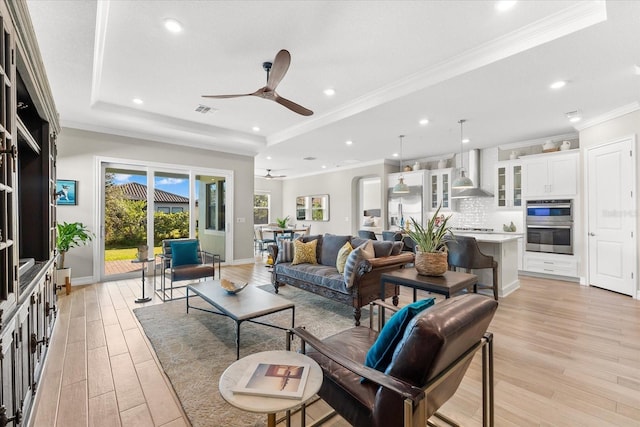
380, 354
184, 253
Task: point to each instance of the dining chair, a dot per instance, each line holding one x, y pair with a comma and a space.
367, 234
259, 241
464, 253
390, 235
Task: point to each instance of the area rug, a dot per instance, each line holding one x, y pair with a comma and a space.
194, 349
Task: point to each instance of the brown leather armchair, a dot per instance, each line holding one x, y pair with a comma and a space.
427, 366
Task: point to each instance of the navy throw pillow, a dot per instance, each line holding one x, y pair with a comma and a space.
379, 355
184, 253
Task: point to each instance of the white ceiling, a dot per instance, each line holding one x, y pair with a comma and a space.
391, 63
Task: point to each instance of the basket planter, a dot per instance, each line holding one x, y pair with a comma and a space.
431, 263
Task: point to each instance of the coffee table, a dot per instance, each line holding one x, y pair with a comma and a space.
246, 305
269, 405
451, 283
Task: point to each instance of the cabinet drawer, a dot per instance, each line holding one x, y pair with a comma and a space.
560, 267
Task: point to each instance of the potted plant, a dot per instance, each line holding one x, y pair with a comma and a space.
69, 235
282, 222
431, 254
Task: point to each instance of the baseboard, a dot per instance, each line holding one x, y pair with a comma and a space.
510, 288
242, 261
550, 276
79, 281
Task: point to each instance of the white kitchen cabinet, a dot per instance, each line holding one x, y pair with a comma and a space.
508, 192
439, 189
551, 175
555, 264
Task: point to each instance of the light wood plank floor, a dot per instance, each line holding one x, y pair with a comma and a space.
565, 355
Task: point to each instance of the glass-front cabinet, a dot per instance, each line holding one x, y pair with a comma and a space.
509, 184
440, 189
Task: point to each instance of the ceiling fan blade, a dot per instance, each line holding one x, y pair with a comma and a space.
296, 108
226, 96
278, 69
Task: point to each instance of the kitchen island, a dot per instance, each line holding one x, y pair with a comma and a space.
503, 247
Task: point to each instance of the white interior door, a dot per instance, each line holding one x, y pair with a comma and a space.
611, 223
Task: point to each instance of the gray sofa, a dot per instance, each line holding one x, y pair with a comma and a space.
325, 280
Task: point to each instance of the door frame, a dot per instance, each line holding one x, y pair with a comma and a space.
150, 169
632, 138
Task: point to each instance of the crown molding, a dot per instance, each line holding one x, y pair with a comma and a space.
613, 114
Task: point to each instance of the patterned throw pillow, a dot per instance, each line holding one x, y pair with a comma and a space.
343, 254
353, 260
304, 252
285, 251
368, 250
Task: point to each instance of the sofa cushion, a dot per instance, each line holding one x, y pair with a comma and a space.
382, 248
343, 254
397, 247
380, 353
350, 266
304, 253
184, 253
285, 251
318, 237
317, 274
368, 250
331, 245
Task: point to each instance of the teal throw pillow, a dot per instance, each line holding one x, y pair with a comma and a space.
379, 355
184, 253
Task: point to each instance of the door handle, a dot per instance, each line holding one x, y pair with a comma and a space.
592, 234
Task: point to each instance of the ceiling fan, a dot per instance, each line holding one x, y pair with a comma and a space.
269, 176
275, 73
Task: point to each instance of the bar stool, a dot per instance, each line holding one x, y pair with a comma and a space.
463, 252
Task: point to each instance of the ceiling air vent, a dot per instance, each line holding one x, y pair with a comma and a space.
308, 158
203, 109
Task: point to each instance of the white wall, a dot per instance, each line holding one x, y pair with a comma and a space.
623, 126
77, 152
342, 188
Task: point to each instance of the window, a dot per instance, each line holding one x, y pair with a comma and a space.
177, 209
162, 210
261, 208
215, 205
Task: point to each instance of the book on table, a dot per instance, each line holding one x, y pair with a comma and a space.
285, 380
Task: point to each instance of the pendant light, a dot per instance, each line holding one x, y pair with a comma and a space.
462, 181
401, 187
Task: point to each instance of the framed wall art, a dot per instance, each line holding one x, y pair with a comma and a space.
66, 192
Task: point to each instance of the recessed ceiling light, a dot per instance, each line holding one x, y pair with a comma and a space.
574, 116
329, 92
268, 157
324, 166
172, 25
465, 140
349, 142
256, 129
138, 101
424, 122
504, 5
636, 70
559, 84
395, 154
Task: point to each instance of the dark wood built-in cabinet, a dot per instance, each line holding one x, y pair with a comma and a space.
28, 129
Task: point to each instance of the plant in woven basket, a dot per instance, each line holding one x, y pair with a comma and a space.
431, 255
282, 222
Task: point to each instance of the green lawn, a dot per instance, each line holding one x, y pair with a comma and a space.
126, 254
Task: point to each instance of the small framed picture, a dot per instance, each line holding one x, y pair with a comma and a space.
66, 192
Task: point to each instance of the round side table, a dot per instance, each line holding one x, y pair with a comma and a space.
144, 267
269, 405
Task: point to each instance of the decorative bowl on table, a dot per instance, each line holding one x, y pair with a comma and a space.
231, 287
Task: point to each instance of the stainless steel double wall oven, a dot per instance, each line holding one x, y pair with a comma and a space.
550, 226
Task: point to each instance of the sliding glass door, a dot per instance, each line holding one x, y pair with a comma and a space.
145, 204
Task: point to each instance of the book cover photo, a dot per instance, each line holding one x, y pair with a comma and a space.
274, 380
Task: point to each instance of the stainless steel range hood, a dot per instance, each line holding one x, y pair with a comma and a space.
473, 172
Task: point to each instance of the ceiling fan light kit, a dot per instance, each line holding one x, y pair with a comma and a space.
276, 70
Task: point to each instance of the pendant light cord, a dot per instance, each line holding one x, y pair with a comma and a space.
461, 121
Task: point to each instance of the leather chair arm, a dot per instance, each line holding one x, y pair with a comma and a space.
405, 390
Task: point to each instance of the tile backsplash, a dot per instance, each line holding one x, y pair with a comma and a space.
480, 212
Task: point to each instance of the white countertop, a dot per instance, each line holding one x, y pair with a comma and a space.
490, 237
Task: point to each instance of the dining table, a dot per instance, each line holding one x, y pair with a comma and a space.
284, 233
